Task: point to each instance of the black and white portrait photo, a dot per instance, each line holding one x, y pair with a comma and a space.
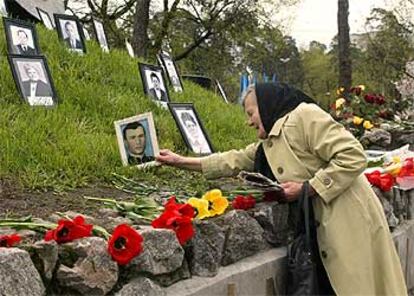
100, 35
168, 64
33, 80
46, 19
21, 37
3, 9
137, 139
70, 32
221, 91
153, 82
191, 128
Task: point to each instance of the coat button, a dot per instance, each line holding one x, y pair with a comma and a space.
270, 144
327, 181
323, 254
317, 223
280, 170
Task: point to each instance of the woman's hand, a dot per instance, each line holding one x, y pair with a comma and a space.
292, 190
167, 157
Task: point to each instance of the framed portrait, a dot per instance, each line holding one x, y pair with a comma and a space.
33, 80
154, 83
3, 9
165, 60
221, 91
21, 37
137, 140
191, 128
46, 19
70, 32
100, 35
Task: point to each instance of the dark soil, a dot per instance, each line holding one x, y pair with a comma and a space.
16, 202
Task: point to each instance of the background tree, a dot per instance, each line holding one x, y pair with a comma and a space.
140, 28
345, 66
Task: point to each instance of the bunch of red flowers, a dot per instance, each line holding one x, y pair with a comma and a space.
241, 202
177, 217
8, 241
382, 181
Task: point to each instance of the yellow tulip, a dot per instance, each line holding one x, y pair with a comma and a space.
340, 91
217, 202
362, 87
201, 206
368, 125
358, 120
339, 103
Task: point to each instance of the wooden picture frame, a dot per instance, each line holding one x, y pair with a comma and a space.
170, 68
70, 32
153, 82
130, 133
191, 128
33, 80
21, 37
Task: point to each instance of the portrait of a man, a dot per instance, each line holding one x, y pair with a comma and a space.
100, 35
157, 89
137, 140
191, 128
171, 69
154, 84
68, 28
33, 80
21, 37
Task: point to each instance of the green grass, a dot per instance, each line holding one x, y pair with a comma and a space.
75, 144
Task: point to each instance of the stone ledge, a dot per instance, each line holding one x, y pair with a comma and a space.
260, 274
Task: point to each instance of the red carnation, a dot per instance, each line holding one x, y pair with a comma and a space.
69, 230
370, 98
124, 244
387, 181
8, 241
407, 168
374, 178
243, 202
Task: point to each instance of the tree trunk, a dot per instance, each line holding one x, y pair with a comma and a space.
140, 32
344, 44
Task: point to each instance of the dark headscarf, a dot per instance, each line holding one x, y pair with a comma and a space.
275, 100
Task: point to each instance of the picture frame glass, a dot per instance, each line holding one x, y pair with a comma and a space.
69, 32
191, 128
171, 69
34, 82
45, 17
137, 140
3, 9
100, 35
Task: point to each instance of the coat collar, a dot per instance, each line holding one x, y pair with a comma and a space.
277, 127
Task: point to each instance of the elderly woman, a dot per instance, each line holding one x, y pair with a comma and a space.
301, 142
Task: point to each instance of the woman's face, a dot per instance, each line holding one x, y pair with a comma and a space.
253, 116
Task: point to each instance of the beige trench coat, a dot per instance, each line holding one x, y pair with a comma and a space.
354, 239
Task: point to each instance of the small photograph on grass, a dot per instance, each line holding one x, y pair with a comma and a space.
33, 80
46, 19
3, 9
191, 128
222, 92
70, 32
100, 35
154, 83
165, 60
21, 37
137, 140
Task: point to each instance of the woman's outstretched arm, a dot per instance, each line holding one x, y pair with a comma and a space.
167, 157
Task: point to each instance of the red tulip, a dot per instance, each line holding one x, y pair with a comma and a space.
370, 98
8, 241
183, 228
69, 230
124, 244
183, 209
243, 202
380, 100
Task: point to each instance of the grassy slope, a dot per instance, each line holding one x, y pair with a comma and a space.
75, 144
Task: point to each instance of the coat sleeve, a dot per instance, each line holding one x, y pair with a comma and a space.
333, 144
229, 163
